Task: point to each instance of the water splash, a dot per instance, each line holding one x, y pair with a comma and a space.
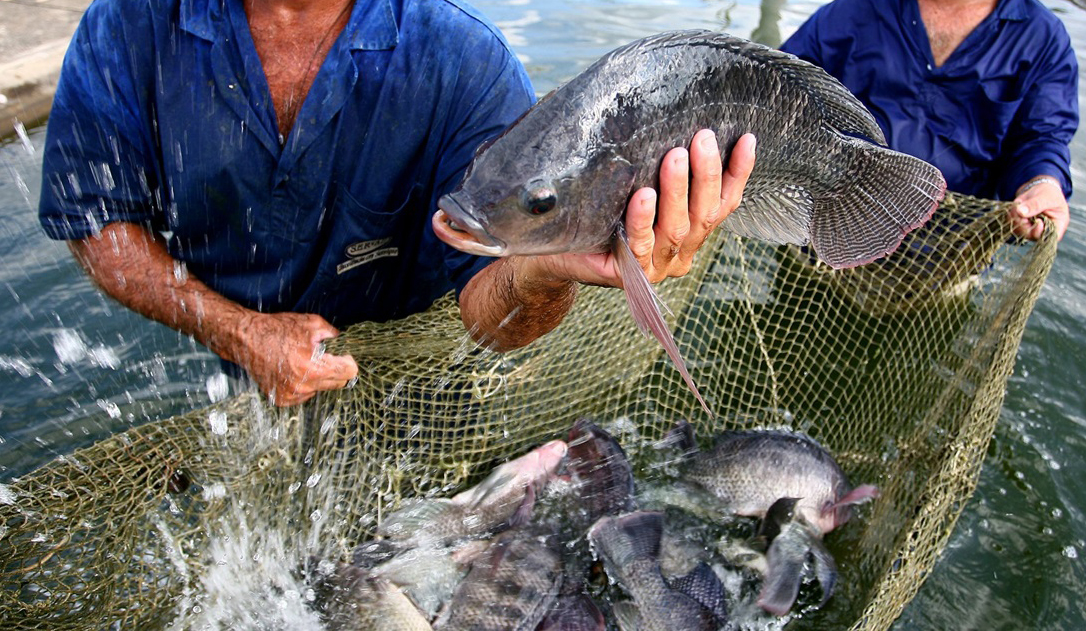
24, 138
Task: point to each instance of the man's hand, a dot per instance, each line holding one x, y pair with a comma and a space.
1040, 196
281, 351
284, 355
515, 300
664, 234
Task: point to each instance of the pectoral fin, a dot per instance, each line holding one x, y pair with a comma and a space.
642, 301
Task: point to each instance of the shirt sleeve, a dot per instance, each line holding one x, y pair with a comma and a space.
1038, 142
92, 170
807, 42
489, 98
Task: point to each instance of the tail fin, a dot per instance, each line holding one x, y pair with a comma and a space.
785, 560
881, 198
642, 301
825, 569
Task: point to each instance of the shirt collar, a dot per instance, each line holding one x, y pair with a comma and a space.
372, 25
1013, 10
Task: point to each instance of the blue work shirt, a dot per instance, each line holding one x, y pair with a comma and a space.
1000, 110
163, 117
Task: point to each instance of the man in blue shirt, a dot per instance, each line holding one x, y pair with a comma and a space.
986, 90
257, 172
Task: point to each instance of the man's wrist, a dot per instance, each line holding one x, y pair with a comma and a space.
1038, 181
532, 276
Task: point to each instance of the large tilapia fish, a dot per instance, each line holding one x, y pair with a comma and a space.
558, 180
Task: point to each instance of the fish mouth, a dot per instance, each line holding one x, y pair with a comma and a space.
453, 225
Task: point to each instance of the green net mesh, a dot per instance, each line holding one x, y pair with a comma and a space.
897, 367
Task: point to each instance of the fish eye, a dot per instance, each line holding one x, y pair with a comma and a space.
540, 200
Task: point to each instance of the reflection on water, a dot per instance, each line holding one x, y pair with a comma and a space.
75, 367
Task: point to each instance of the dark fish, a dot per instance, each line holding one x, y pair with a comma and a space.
704, 586
601, 473
510, 588
559, 179
629, 546
504, 499
791, 542
750, 470
575, 612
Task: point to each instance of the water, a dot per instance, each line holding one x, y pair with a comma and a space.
75, 367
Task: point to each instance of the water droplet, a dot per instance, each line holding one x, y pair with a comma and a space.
218, 387
180, 271
313, 480
214, 491
110, 408
69, 346
316, 515
1070, 552
20, 130
217, 418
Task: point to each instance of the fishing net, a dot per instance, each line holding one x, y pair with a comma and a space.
897, 367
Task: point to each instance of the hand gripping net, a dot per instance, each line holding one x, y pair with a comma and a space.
897, 367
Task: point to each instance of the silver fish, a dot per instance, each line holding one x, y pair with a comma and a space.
559, 179
504, 499
750, 470
360, 602
428, 575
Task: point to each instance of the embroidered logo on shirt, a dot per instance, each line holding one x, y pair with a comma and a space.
364, 252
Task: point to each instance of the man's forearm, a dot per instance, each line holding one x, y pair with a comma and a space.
132, 265
505, 306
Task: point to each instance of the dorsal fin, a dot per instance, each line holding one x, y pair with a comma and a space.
839, 107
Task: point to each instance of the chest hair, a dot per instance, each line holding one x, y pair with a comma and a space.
949, 22
292, 46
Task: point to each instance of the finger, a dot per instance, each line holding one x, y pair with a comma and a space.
1027, 208
341, 367
640, 215
740, 165
705, 189
672, 213
1027, 228
1060, 223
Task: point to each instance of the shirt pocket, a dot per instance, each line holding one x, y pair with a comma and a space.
359, 272
998, 100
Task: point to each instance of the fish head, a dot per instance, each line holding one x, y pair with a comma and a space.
835, 514
509, 481
532, 191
